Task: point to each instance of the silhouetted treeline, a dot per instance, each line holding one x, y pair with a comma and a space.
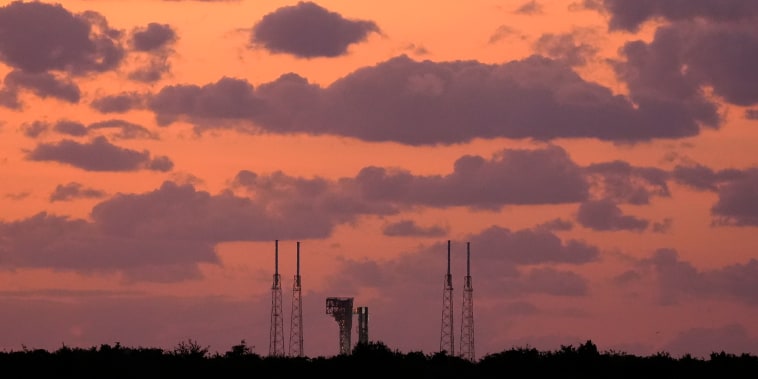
372, 360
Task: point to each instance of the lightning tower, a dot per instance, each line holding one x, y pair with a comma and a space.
296, 320
276, 335
447, 342
467, 319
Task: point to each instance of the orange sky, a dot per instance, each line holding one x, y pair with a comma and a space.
598, 155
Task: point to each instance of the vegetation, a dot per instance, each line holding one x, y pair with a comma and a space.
375, 359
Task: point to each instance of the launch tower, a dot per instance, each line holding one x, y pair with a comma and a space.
341, 308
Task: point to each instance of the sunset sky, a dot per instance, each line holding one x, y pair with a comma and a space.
598, 155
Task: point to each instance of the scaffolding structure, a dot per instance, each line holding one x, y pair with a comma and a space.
447, 339
276, 333
296, 318
341, 308
467, 318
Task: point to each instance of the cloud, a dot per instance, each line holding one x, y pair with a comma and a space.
35, 128
605, 215
630, 15
529, 7
685, 58
57, 242
98, 155
74, 190
307, 30
410, 102
119, 103
153, 37
44, 85
751, 114
36, 37
9, 98
539, 176
677, 277
737, 203
127, 130
557, 224
623, 183
555, 282
71, 128
704, 178
404, 228
564, 48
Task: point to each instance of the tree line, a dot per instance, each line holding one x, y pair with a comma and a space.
188, 359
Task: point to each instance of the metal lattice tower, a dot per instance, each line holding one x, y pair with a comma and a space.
296, 320
467, 318
447, 340
276, 335
341, 308
362, 325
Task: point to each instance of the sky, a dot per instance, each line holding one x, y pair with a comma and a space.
598, 156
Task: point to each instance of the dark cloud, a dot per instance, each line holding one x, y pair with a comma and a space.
119, 103
229, 98
685, 58
97, 155
9, 98
74, 190
704, 178
151, 71
44, 85
126, 129
751, 114
36, 37
737, 203
605, 215
49, 241
537, 176
677, 277
181, 212
502, 32
154, 36
624, 183
557, 224
662, 226
563, 47
71, 128
529, 7
630, 15
405, 228
411, 102
307, 30
555, 282
528, 247
35, 128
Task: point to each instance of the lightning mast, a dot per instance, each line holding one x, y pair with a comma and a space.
467, 319
447, 342
296, 319
276, 335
